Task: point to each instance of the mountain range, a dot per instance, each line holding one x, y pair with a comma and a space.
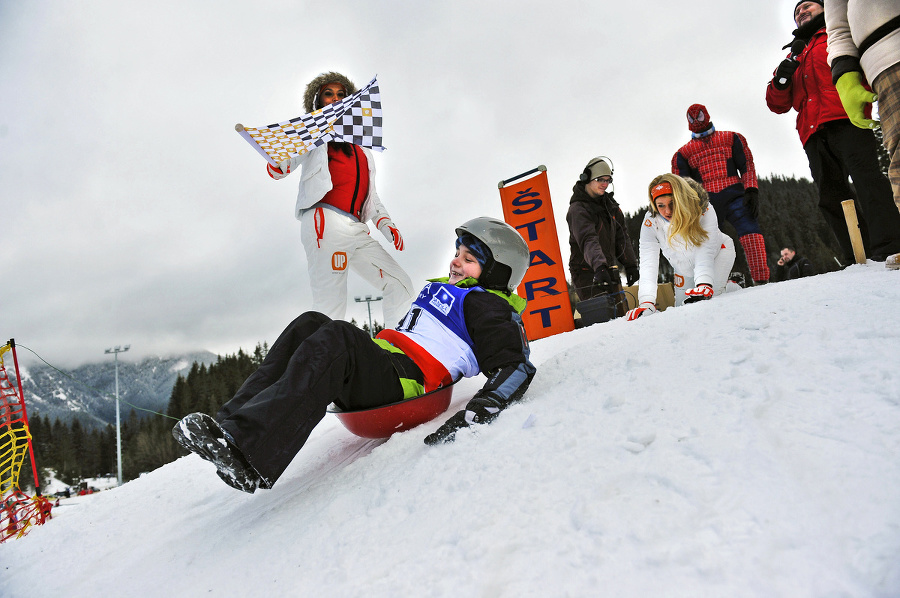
88, 392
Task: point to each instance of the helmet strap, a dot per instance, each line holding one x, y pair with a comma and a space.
496, 276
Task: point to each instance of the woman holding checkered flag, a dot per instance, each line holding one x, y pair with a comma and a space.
336, 198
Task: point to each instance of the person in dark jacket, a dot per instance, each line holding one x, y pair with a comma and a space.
835, 147
457, 327
793, 265
597, 234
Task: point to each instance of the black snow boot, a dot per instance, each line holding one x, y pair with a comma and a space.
201, 434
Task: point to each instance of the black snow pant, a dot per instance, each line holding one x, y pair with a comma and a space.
314, 362
729, 205
837, 151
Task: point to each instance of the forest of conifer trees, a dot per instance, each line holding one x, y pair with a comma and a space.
76, 454
788, 216
147, 442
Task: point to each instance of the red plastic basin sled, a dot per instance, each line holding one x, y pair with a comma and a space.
381, 422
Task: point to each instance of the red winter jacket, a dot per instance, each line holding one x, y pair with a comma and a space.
811, 92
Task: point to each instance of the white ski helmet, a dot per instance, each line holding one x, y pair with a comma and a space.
509, 252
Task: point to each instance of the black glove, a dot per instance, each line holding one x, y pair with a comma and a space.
603, 279
784, 72
751, 201
616, 278
632, 274
447, 431
483, 408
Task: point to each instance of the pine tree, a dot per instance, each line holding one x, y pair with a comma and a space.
108, 455
204, 389
259, 354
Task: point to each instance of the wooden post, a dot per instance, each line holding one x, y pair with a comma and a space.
859, 251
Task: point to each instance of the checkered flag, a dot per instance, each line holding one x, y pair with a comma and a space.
355, 119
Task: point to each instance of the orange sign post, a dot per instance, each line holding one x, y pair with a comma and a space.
527, 208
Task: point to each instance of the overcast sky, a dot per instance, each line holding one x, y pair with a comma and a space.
133, 213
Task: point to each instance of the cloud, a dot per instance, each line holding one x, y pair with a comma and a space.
133, 213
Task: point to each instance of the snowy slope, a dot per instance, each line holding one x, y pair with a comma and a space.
746, 446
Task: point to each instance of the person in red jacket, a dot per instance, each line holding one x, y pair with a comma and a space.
721, 161
835, 147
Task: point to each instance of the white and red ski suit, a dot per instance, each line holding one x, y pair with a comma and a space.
708, 263
337, 240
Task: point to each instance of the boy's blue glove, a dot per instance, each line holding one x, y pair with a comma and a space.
854, 98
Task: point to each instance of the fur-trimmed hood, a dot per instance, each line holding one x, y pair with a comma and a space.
700, 191
309, 96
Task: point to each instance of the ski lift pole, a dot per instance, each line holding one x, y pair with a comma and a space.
368, 299
116, 350
34, 471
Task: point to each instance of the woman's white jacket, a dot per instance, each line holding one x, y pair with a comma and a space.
687, 260
315, 182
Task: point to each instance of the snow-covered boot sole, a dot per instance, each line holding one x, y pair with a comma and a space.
892, 262
201, 434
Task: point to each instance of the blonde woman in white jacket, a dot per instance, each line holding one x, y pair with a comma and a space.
336, 198
683, 226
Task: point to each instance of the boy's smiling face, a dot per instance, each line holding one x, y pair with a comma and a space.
464, 265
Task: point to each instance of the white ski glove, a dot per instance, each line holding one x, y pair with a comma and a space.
282, 170
699, 293
390, 232
645, 308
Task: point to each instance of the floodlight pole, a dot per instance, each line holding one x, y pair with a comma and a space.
115, 351
369, 299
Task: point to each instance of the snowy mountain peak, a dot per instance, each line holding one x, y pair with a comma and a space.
88, 391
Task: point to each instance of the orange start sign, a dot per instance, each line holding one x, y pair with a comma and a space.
527, 208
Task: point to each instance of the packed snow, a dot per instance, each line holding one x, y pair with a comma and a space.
744, 446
